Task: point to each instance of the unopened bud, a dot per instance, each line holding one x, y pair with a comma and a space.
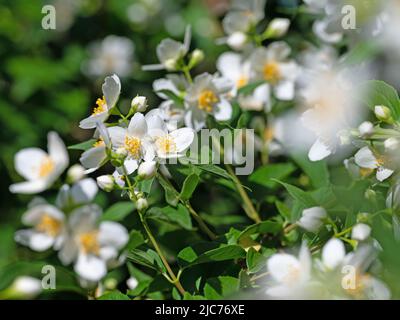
147, 169
75, 173
237, 40
366, 129
391, 144
139, 103
106, 182
196, 57
384, 114
142, 204
170, 64
277, 28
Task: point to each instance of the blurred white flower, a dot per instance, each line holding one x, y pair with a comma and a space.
25, 287
48, 228
111, 90
273, 65
360, 232
92, 245
333, 253
132, 283
111, 55
39, 168
278, 27
312, 218
75, 173
366, 129
81, 192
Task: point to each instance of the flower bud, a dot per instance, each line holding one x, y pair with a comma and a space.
366, 129
75, 173
360, 232
106, 182
391, 144
132, 283
196, 57
237, 40
139, 103
147, 169
370, 194
277, 28
170, 64
312, 218
384, 114
142, 204
25, 287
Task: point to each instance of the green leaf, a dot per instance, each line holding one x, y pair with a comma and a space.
303, 197
265, 174
380, 93
317, 171
145, 185
221, 287
211, 168
188, 296
255, 261
114, 295
178, 215
188, 256
262, 227
83, 146
143, 258
249, 88
283, 209
118, 211
135, 239
189, 185
171, 195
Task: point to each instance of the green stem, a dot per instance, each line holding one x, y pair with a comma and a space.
186, 72
202, 225
247, 204
153, 241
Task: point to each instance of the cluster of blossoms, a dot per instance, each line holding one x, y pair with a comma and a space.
306, 103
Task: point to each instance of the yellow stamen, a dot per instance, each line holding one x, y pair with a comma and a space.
133, 146
269, 134
241, 82
206, 100
101, 106
99, 143
49, 225
46, 167
365, 172
293, 275
271, 72
359, 285
166, 144
89, 242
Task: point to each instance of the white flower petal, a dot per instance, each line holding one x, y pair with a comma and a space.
229, 64
183, 138
365, 158
113, 234
29, 187
91, 121
360, 232
93, 157
57, 151
34, 214
281, 266
137, 126
284, 90
319, 151
383, 173
117, 136
333, 253
90, 267
84, 191
111, 90
27, 162
223, 110
131, 165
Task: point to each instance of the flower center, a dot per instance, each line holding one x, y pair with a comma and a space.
89, 242
101, 106
271, 72
206, 100
358, 287
133, 146
46, 167
241, 82
49, 225
99, 143
293, 275
166, 144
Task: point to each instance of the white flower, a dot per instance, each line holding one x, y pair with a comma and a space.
147, 169
312, 218
170, 52
291, 274
39, 168
75, 173
132, 283
26, 287
111, 89
139, 103
333, 253
91, 245
48, 228
366, 159
232, 67
133, 140
206, 96
81, 192
272, 65
360, 232
278, 27
168, 144
105, 182
112, 55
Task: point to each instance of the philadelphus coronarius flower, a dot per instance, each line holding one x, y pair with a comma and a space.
111, 89
272, 65
111, 55
366, 159
39, 168
207, 95
232, 67
90, 244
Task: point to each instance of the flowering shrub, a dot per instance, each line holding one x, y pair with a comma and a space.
317, 217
